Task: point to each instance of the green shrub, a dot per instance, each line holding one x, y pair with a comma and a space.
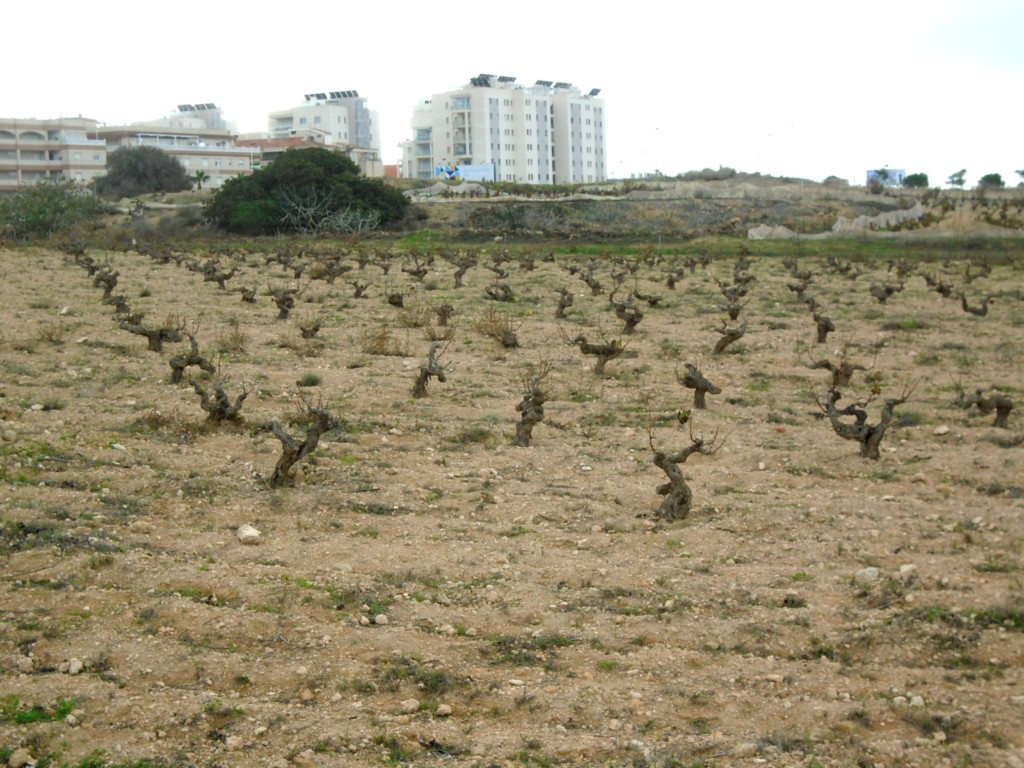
47, 208
313, 190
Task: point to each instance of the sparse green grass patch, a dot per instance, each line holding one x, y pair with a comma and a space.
393, 672
906, 324
12, 708
529, 650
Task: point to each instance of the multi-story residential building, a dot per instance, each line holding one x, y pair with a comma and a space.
36, 150
418, 152
337, 118
196, 135
545, 133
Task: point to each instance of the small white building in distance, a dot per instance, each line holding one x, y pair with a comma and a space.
887, 177
545, 133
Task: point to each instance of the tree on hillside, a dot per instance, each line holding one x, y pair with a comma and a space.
957, 179
309, 191
1021, 174
134, 171
916, 181
991, 181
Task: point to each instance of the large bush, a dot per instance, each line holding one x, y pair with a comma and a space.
47, 208
306, 191
916, 181
134, 171
991, 181
723, 173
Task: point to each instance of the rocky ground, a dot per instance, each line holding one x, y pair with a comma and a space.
428, 593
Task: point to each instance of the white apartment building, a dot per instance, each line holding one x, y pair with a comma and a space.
545, 133
336, 118
37, 150
196, 136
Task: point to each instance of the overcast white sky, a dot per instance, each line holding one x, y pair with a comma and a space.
792, 88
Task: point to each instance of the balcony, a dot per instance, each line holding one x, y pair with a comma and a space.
72, 141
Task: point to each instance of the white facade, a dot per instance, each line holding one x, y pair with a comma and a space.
39, 150
196, 136
888, 177
547, 133
337, 118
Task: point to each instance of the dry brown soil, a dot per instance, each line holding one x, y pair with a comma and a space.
535, 612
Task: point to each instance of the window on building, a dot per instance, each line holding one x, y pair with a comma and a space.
302, 121
206, 163
316, 119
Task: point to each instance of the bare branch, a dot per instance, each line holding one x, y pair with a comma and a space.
433, 369
678, 497
292, 450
